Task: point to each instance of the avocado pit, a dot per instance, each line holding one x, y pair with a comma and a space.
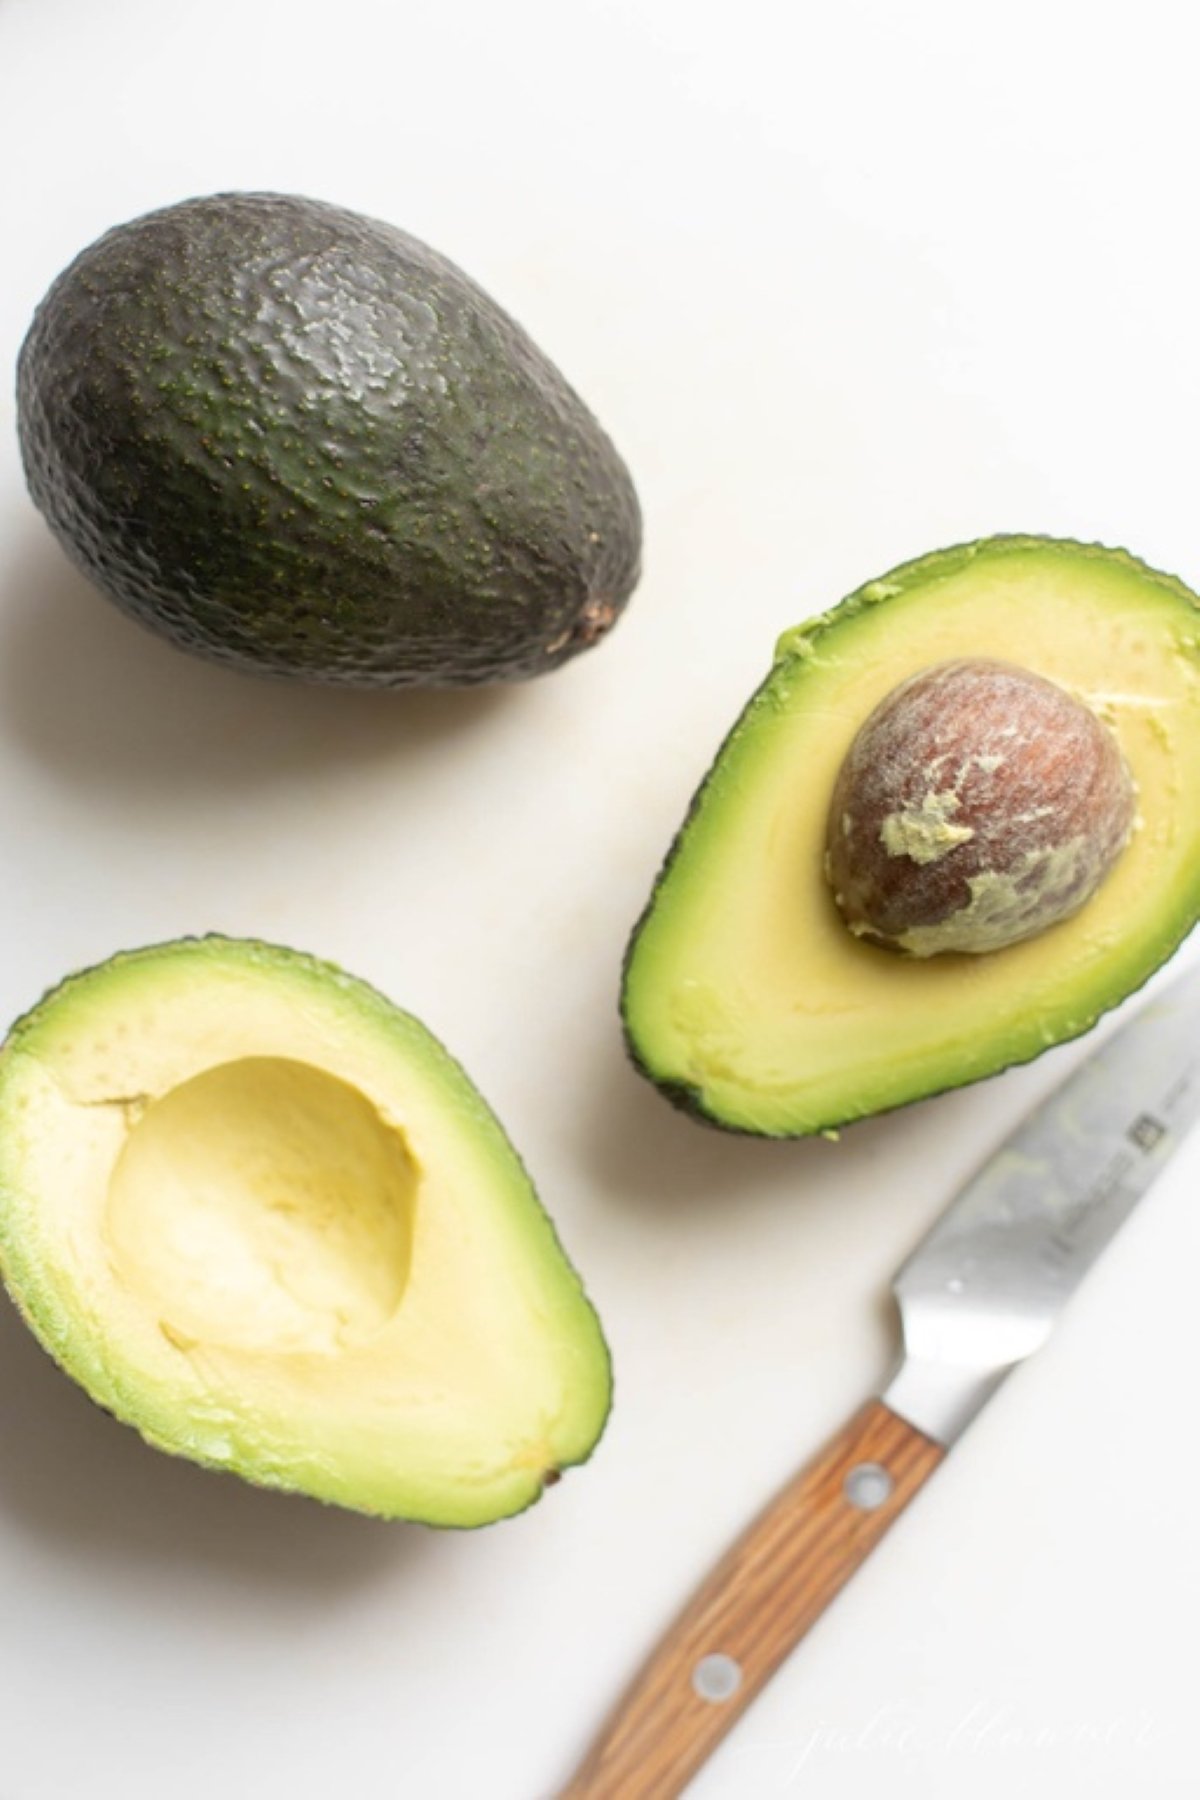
978, 805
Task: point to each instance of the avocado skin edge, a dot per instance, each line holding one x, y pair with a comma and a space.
302, 443
795, 644
272, 954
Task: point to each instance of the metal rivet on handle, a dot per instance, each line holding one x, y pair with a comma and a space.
868, 1485
717, 1677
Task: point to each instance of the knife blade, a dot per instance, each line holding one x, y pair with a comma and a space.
979, 1294
984, 1288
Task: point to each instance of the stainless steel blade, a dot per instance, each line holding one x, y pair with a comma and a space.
984, 1288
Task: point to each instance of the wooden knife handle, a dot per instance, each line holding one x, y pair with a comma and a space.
755, 1607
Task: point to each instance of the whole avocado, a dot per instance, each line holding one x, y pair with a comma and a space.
299, 441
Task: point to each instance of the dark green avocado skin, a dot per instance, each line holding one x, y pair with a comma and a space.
299, 441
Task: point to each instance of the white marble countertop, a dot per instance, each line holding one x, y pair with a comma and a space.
845, 283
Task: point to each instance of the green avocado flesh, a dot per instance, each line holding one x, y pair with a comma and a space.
301, 442
747, 999
260, 1214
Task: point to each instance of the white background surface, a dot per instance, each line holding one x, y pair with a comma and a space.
846, 282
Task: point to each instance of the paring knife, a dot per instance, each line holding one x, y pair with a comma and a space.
979, 1294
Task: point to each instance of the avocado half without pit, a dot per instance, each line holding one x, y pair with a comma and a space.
956, 823
260, 1214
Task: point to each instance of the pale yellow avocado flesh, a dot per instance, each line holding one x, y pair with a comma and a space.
260, 1214
746, 997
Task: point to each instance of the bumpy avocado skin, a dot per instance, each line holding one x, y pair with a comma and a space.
299, 441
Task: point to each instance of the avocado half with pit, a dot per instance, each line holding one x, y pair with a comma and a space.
259, 1213
757, 996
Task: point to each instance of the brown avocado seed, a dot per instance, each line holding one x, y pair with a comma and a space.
978, 805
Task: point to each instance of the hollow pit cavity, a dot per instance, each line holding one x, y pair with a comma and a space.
264, 1206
